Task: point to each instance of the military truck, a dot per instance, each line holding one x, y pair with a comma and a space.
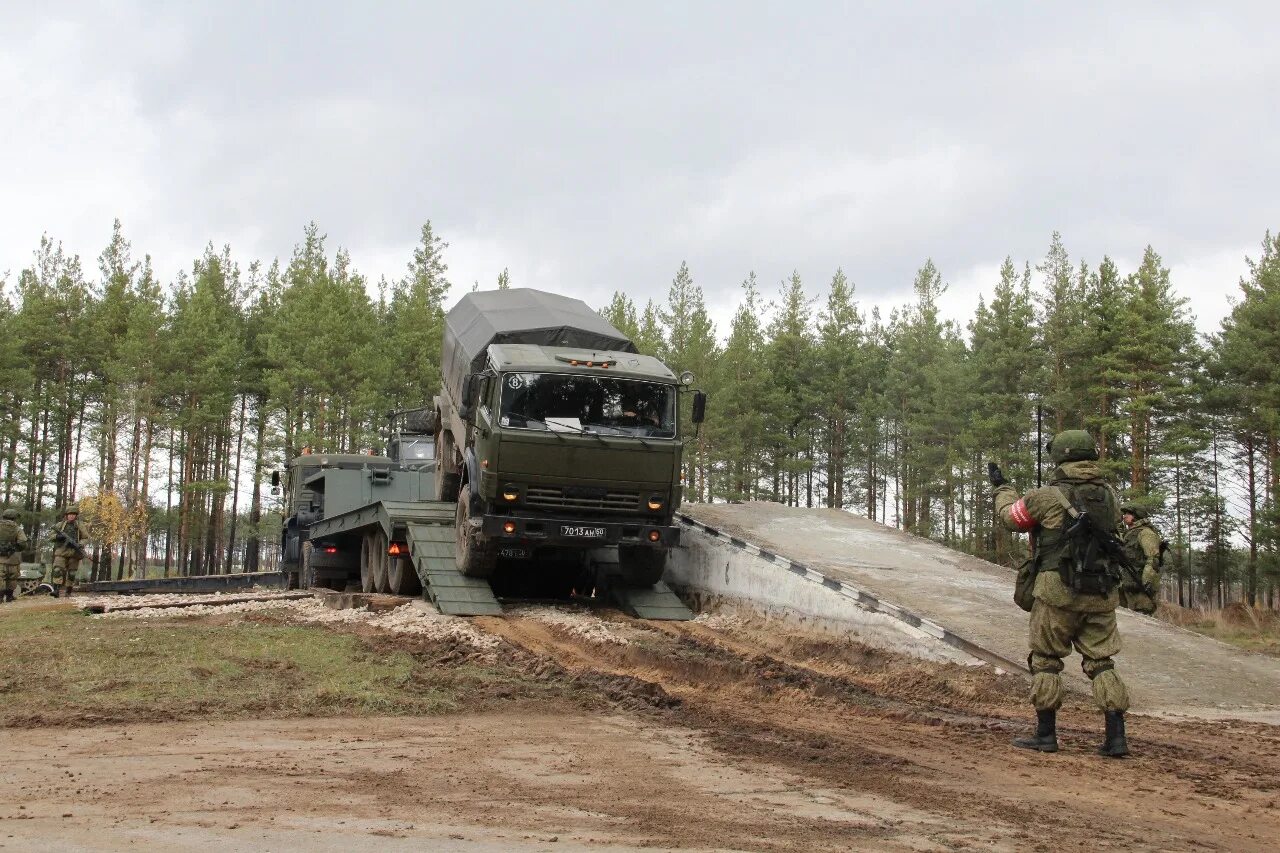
549, 464
322, 487
557, 439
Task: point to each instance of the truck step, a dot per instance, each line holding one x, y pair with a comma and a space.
453, 593
654, 602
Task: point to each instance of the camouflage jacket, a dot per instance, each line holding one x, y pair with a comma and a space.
70, 529
1042, 509
12, 536
1142, 546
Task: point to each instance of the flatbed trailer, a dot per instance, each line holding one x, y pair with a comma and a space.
408, 547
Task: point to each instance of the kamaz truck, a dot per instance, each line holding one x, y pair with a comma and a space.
560, 443
553, 468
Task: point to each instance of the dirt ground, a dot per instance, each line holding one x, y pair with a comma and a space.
730, 732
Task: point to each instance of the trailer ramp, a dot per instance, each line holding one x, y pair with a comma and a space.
656, 602
431, 549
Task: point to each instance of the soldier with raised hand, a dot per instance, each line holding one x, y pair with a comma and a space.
1140, 590
13, 541
68, 549
1075, 586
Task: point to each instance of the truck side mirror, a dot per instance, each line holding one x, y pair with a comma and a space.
699, 406
470, 393
275, 479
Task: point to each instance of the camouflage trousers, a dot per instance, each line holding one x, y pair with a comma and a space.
64, 571
9, 572
1055, 631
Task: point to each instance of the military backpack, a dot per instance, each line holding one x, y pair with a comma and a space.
1086, 552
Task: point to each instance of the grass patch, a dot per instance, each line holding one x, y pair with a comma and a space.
1254, 629
62, 667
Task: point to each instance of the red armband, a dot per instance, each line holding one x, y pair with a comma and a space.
1021, 516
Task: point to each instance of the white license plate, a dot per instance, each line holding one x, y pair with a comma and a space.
576, 531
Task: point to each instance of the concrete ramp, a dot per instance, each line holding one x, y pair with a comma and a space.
936, 590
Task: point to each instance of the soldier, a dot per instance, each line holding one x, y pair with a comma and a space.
68, 548
1139, 590
13, 541
1075, 595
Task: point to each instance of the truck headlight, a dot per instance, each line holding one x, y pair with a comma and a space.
656, 503
510, 494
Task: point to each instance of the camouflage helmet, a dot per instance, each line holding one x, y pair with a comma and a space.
9, 515
1073, 445
71, 508
1138, 512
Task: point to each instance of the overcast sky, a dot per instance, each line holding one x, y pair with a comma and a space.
591, 147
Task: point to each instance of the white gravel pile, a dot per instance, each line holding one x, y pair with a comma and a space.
111, 602
406, 619
719, 621
579, 623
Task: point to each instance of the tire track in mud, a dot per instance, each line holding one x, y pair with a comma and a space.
931, 737
758, 708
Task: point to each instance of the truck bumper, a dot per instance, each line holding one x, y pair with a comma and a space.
571, 532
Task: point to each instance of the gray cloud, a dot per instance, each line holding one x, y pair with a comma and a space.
590, 147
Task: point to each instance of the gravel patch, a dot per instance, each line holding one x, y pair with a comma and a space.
579, 623
405, 619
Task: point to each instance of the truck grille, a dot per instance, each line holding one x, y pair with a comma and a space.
554, 497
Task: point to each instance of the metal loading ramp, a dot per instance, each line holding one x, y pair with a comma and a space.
939, 592
643, 602
431, 550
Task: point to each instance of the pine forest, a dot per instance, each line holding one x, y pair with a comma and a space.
163, 406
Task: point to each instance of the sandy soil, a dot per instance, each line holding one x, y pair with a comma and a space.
725, 733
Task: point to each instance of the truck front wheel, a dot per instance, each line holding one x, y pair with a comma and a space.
641, 566
473, 558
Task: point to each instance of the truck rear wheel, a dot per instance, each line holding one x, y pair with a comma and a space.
446, 480
472, 558
641, 566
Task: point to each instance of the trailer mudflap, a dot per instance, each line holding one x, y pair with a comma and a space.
431, 549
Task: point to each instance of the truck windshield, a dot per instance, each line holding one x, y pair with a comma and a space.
598, 404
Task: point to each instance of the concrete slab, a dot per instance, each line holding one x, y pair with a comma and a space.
1169, 670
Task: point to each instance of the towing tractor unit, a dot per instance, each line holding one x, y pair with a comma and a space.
369, 550
549, 464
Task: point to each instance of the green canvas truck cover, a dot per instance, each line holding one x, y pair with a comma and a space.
519, 316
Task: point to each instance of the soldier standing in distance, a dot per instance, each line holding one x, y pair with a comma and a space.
1142, 547
1063, 615
68, 548
13, 541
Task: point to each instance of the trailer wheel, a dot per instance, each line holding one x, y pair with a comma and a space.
366, 563
402, 579
472, 558
306, 575
641, 566
378, 556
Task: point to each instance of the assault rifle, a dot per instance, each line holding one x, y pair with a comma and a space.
1099, 543
69, 541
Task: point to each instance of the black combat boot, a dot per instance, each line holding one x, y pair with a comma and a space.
1046, 737
1115, 745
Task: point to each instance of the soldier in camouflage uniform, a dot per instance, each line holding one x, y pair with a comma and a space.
1142, 547
68, 548
13, 541
1061, 617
